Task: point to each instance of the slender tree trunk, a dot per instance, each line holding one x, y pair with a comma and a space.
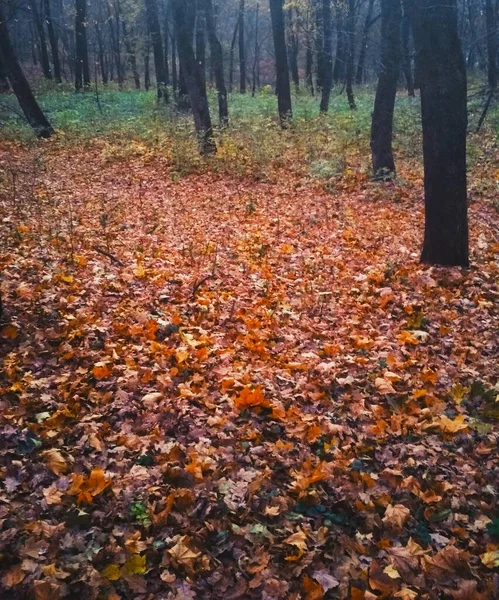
384, 104
341, 43
328, 56
82, 72
256, 57
174, 63
491, 27
102, 55
281, 59
41, 35
217, 63
195, 82
200, 39
20, 85
350, 53
166, 45
242, 49
132, 58
231, 55
147, 69
293, 50
157, 48
363, 45
444, 110
54, 46
319, 44
406, 34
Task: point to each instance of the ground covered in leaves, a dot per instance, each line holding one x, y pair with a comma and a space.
214, 387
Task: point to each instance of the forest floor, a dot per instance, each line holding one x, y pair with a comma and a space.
217, 386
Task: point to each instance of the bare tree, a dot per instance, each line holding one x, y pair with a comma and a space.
281, 60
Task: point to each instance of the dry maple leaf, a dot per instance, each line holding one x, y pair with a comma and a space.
298, 540
55, 461
384, 386
453, 425
251, 398
183, 554
490, 559
396, 515
88, 487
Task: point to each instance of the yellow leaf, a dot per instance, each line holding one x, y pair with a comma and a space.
136, 565
55, 461
182, 553
452, 426
490, 559
392, 572
112, 572
181, 355
140, 272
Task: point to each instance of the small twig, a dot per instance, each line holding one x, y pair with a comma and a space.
111, 257
199, 283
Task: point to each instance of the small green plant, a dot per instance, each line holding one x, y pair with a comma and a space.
138, 510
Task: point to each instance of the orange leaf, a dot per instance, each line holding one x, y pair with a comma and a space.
312, 589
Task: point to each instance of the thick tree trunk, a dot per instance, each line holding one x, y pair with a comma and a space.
242, 49
20, 85
195, 82
341, 43
4, 82
54, 46
491, 26
200, 39
350, 30
82, 69
157, 48
217, 63
384, 104
281, 60
43, 42
444, 110
363, 45
406, 61
328, 56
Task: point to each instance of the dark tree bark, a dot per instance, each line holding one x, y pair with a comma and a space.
102, 54
341, 43
281, 60
231, 55
217, 63
242, 49
384, 104
293, 50
4, 82
350, 31
256, 57
406, 60
114, 34
27, 101
82, 69
54, 46
491, 26
132, 58
363, 45
147, 68
157, 48
328, 56
43, 42
444, 110
174, 63
319, 44
200, 39
196, 85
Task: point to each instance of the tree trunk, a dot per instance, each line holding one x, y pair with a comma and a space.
130, 48
341, 43
157, 48
281, 60
54, 46
384, 104
350, 53
217, 63
195, 82
491, 25
200, 39
231, 55
363, 46
174, 63
20, 85
256, 57
444, 111
242, 50
102, 55
319, 44
147, 69
406, 64
293, 50
82, 70
328, 56
4, 82
41, 35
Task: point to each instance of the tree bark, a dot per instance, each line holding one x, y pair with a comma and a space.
327, 56
54, 46
350, 30
406, 61
217, 63
319, 44
341, 43
384, 104
242, 49
256, 57
293, 51
157, 48
132, 58
147, 69
231, 55
363, 46
4, 82
491, 26
281, 60
196, 85
43, 42
82, 69
200, 39
444, 112
27, 101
